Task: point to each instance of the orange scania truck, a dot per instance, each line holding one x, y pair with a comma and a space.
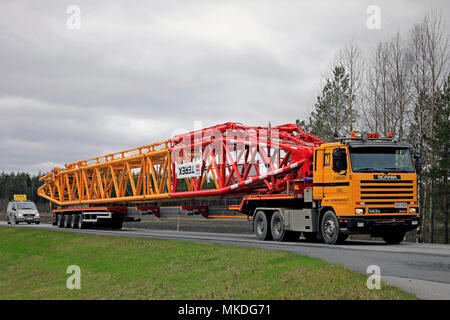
287, 181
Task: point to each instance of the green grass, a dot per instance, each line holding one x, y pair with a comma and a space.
33, 265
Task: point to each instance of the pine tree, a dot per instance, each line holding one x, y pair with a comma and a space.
440, 173
331, 113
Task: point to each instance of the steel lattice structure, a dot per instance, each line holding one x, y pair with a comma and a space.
232, 159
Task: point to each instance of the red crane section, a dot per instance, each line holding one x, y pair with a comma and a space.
241, 159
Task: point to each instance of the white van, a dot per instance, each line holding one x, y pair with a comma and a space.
22, 211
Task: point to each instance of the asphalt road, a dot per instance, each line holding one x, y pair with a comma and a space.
422, 269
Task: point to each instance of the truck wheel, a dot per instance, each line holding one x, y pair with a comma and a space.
329, 227
393, 237
277, 228
261, 226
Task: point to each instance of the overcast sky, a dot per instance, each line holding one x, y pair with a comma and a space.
137, 71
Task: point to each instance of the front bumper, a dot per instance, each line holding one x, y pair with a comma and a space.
28, 219
378, 225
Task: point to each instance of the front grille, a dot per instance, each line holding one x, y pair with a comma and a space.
386, 192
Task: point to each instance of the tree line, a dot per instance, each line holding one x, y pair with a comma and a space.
21, 183
401, 87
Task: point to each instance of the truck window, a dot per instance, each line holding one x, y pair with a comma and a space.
373, 159
339, 160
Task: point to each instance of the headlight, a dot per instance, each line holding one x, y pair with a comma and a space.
20, 215
359, 211
412, 210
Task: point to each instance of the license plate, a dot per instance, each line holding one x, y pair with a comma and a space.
400, 205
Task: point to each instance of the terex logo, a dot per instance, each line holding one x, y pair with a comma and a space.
386, 177
188, 170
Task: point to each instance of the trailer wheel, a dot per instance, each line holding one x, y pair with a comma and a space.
329, 228
261, 226
393, 237
67, 220
81, 224
60, 220
74, 221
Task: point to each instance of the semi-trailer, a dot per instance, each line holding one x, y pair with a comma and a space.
285, 180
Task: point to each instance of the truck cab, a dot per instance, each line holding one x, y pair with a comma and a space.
366, 185
358, 185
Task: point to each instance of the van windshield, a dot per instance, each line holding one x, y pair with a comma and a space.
381, 160
26, 206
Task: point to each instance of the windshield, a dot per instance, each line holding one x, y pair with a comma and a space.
381, 160
26, 206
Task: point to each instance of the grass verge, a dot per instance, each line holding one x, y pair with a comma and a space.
33, 265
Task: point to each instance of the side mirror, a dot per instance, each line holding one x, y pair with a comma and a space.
339, 160
418, 163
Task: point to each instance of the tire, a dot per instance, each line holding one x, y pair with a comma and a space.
67, 220
277, 227
74, 222
261, 226
37, 222
329, 228
80, 223
28, 222
393, 237
60, 220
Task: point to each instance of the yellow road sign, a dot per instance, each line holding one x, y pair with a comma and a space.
20, 197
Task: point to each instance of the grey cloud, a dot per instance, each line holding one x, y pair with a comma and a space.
138, 71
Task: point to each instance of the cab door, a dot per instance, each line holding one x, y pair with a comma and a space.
336, 179
318, 173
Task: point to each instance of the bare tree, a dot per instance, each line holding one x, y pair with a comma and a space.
399, 77
437, 57
379, 114
351, 59
419, 118
428, 51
